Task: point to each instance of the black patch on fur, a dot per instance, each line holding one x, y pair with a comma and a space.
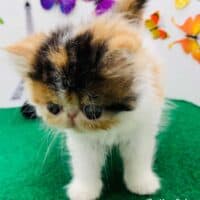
139, 5
43, 70
84, 61
119, 107
126, 104
83, 65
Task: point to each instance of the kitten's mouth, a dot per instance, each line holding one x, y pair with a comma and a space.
72, 123
72, 118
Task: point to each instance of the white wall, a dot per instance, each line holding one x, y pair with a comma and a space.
182, 72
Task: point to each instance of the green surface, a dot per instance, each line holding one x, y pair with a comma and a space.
29, 170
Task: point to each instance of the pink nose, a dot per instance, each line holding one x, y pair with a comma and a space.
72, 115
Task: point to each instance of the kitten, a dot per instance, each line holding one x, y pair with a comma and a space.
101, 86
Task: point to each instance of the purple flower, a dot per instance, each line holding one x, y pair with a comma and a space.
47, 4
66, 6
103, 6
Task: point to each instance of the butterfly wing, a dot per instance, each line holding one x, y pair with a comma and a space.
155, 17
190, 46
186, 43
196, 56
149, 24
196, 52
190, 26
159, 34
196, 25
153, 21
163, 34
155, 34
47, 4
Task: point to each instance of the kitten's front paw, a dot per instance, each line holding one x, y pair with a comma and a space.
144, 184
77, 190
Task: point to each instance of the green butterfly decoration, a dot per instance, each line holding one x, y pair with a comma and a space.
1, 21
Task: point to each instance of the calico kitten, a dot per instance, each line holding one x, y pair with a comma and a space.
101, 86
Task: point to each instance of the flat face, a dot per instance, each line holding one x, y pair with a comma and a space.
84, 76
82, 80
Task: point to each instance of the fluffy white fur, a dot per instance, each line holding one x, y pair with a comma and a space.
135, 136
136, 140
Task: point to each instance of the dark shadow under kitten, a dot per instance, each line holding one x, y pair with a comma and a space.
28, 111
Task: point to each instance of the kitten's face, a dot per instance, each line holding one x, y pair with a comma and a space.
83, 82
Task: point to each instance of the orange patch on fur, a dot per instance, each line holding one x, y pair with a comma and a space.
125, 42
27, 47
41, 94
58, 57
119, 33
71, 98
129, 8
99, 125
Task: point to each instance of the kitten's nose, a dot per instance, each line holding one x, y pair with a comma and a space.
72, 114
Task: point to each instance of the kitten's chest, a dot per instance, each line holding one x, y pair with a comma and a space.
115, 136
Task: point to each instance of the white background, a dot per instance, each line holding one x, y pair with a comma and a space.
182, 72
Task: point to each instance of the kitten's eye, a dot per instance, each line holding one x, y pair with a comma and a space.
54, 108
92, 112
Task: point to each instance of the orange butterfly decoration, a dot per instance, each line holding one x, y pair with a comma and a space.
152, 25
191, 43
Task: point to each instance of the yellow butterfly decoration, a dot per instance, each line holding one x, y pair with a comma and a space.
152, 24
180, 4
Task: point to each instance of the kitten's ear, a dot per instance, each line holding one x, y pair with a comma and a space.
133, 9
27, 47
24, 51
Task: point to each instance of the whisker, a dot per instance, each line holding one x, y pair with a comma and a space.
49, 147
50, 135
44, 140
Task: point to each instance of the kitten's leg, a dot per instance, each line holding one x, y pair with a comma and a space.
87, 159
138, 157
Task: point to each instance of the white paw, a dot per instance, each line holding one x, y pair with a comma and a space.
143, 184
77, 190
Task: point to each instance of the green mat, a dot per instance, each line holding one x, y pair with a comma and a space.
29, 170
